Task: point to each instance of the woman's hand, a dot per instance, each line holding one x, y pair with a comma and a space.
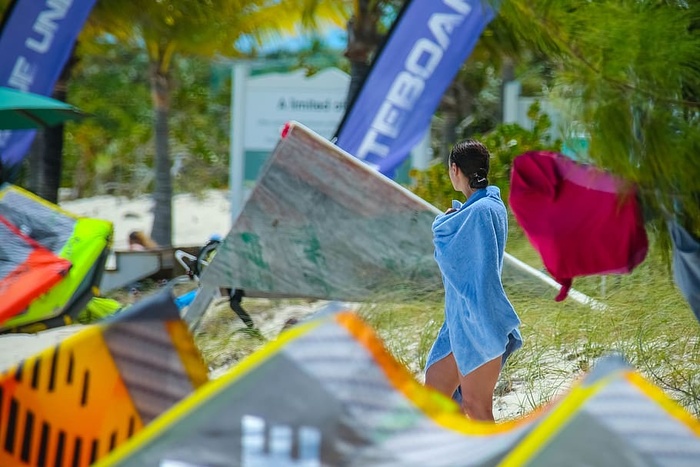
449, 210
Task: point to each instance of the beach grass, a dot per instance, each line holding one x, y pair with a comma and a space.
646, 320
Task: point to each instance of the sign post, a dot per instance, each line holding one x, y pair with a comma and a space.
239, 76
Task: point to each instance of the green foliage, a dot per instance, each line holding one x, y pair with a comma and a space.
509, 140
628, 73
111, 152
433, 185
505, 142
199, 127
102, 153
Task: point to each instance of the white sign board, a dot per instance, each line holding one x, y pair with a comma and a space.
261, 105
317, 101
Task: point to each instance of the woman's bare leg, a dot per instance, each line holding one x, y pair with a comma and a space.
477, 386
443, 375
477, 390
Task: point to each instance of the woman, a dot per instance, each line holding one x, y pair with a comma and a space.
481, 327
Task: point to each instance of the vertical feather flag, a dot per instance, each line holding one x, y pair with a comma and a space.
36, 41
426, 47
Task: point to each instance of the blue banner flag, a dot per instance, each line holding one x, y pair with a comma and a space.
35, 43
392, 111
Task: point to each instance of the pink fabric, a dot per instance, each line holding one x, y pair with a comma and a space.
582, 220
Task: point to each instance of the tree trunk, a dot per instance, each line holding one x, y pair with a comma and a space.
33, 163
46, 152
363, 39
81, 179
358, 73
52, 162
163, 191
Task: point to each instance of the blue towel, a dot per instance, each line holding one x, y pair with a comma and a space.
480, 322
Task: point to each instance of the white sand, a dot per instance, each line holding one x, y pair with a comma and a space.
16, 347
195, 219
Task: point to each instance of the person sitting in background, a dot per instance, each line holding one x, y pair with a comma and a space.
139, 241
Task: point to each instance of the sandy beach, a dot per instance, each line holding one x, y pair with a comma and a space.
16, 347
195, 218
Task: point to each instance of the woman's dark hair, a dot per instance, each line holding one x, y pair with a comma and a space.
472, 158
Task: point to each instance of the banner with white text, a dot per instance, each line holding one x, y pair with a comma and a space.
393, 109
36, 41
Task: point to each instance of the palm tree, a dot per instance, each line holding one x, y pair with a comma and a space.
168, 28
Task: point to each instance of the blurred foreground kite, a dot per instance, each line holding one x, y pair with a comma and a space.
27, 270
75, 402
71, 250
346, 401
133, 391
